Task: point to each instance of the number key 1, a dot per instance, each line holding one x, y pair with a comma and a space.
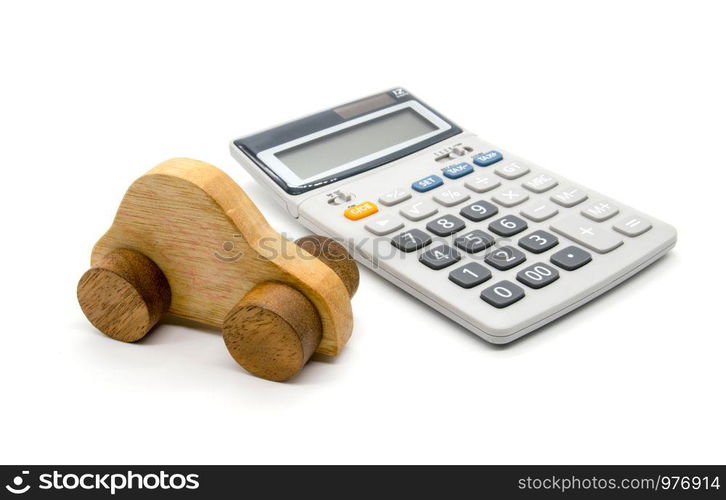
469, 275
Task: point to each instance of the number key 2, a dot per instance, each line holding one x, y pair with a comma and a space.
505, 258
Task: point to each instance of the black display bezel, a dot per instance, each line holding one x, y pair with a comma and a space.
252, 145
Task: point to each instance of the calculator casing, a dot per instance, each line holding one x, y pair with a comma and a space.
314, 210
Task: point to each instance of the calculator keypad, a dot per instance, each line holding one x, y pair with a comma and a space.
538, 275
440, 257
539, 211
445, 225
502, 294
568, 196
479, 211
538, 241
510, 197
505, 257
632, 226
451, 197
587, 233
481, 183
570, 258
411, 240
512, 170
489, 237
474, 241
540, 183
384, 224
600, 211
509, 225
470, 275
418, 210
394, 197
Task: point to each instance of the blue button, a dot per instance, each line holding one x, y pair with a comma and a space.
458, 170
427, 183
486, 159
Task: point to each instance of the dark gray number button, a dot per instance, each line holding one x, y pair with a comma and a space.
479, 210
570, 258
445, 225
440, 257
502, 294
470, 275
538, 241
538, 275
505, 258
508, 225
474, 241
411, 240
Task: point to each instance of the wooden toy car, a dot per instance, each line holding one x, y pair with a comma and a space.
188, 241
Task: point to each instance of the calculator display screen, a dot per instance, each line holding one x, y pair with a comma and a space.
321, 155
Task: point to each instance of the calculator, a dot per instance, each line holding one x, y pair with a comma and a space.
496, 243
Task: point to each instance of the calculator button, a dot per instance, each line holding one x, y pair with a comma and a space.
502, 294
538, 275
458, 170
508, 225
540, 183
427, 183
451, 197
481, 183
504, 258
445, 225
440, 257
600, 211
632, 226
486, 159
361, 210
418, 210
510, 197
394, 197
591, 235
474, 241
539, 211
479, 210
512, 170
411, 240
538, 241
570, 258
568, 196
470, 275
384, 224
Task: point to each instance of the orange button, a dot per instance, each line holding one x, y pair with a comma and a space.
361, 210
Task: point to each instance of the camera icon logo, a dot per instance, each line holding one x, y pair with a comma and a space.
17, 484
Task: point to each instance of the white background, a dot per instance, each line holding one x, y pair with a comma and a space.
625, 97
